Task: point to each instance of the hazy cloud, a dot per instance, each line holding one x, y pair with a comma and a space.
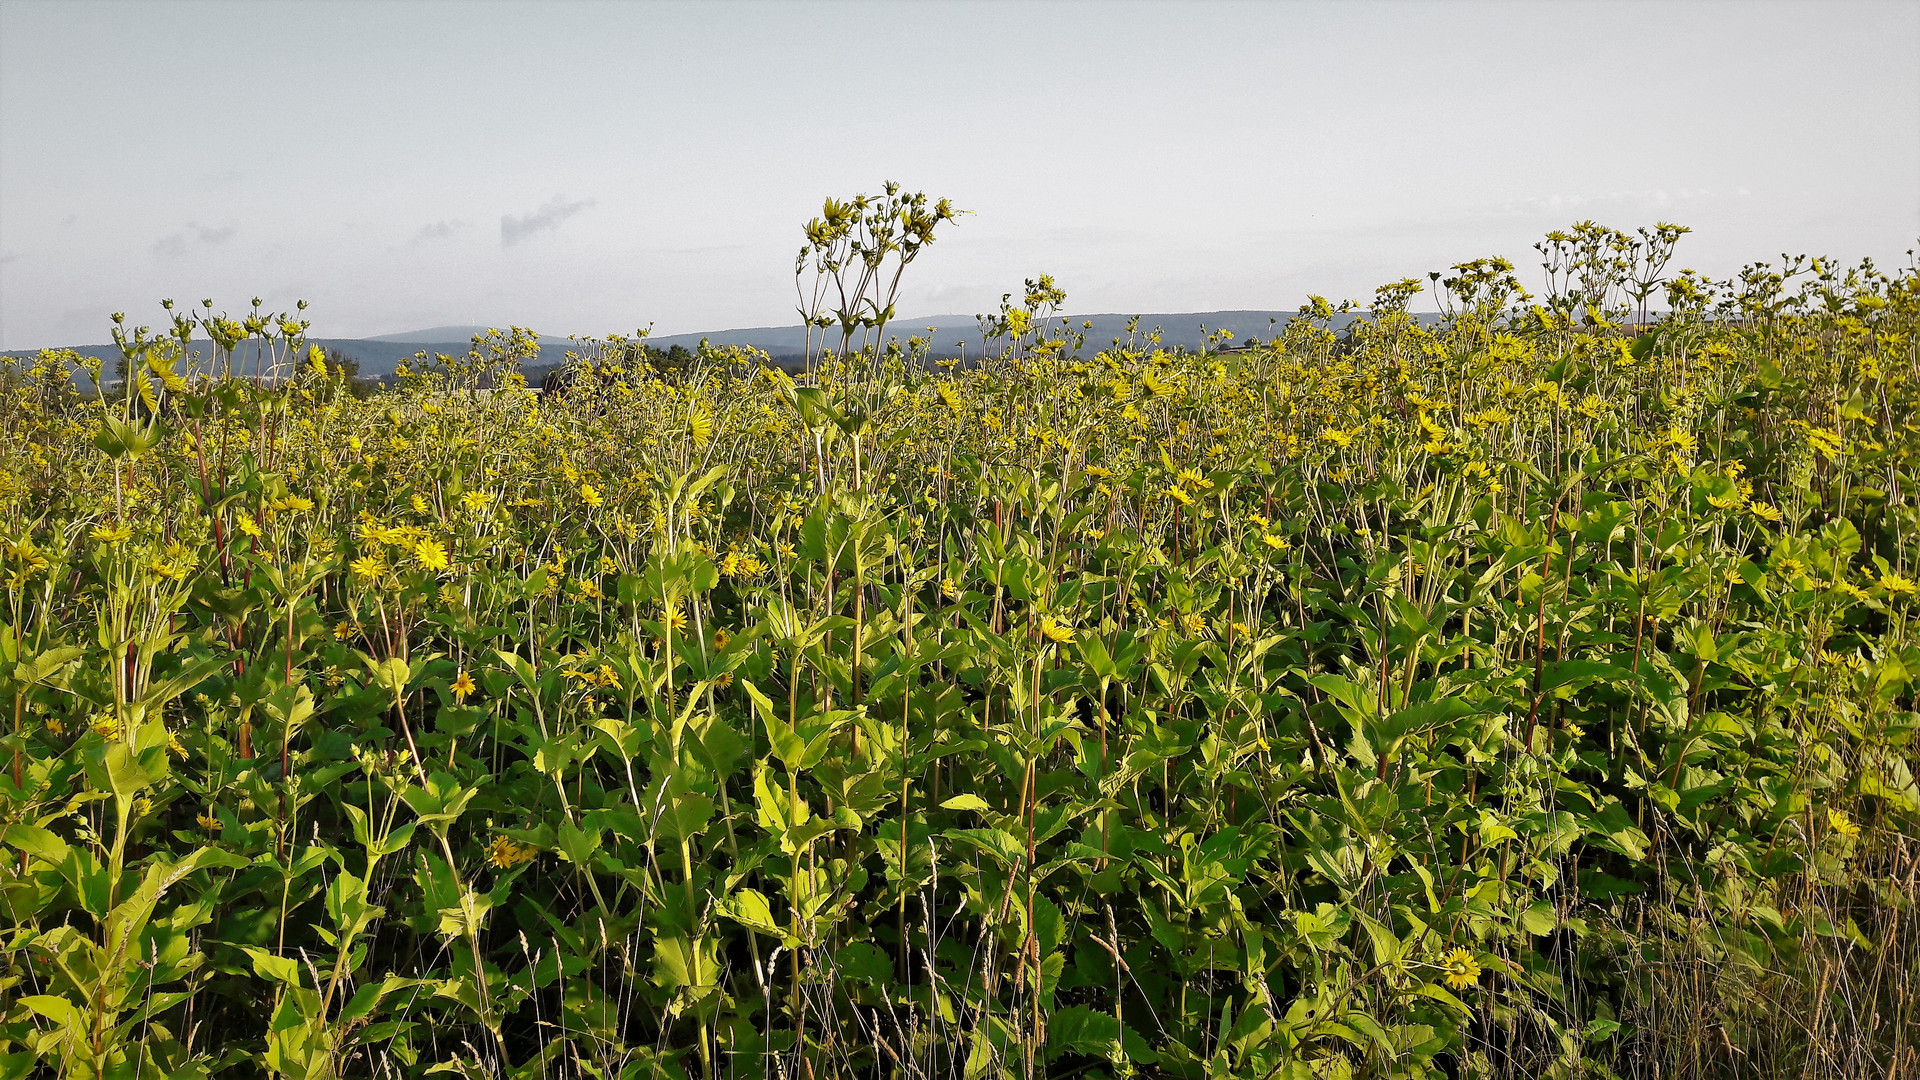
441, 230
176, 245
9, 257
558, 209
1576, 202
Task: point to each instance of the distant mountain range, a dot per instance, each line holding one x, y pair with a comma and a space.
951, 335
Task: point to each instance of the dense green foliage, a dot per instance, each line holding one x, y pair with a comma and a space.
1525, 696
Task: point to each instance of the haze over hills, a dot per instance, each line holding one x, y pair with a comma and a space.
952, 335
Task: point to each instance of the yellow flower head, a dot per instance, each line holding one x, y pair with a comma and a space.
1055, 630
699, 426
112, 534
462, 687
673, 616
506, 854
1462, 969
431, 555
1842, 824
589, 496
1895, 584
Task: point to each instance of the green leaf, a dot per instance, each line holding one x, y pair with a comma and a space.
751, 909
1539, 919
280, 969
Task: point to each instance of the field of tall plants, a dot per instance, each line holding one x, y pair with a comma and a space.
1523, 693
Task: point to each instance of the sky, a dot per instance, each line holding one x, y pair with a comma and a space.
592, 168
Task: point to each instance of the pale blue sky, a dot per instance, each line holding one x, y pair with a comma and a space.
591, 168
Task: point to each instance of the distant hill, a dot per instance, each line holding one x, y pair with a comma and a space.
432, 334
951, 334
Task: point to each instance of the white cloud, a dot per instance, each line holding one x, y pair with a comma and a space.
175, 245
558, 209
439, 230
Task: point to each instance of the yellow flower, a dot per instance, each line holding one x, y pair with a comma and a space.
367, 567
721, 639
674, 617
1827, 443
1180, 493
1895, 584
589, 496
699, 426
431, 555
1763, 511
1842, 824
299, 504
462, 686
206, 819
949, 589
419, 504
112, 534
246, 524
1462, 969
172, 571
1277, 543
507, 854
1055, 630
